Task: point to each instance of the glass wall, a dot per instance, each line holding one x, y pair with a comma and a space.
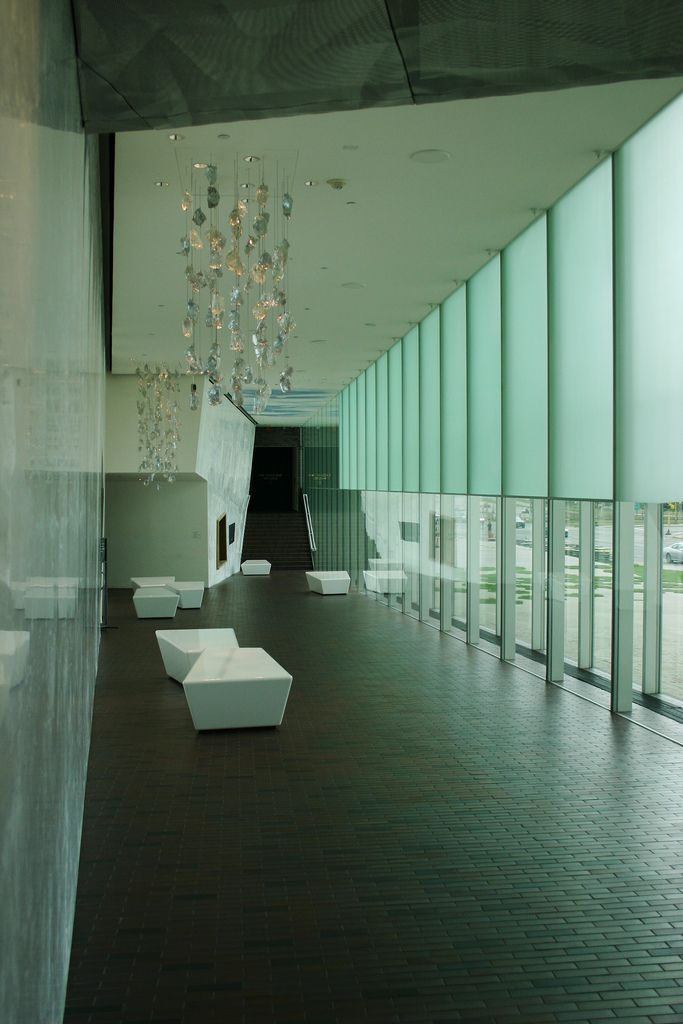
507, 467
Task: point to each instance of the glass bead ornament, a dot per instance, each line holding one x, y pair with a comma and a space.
198, 217
194, 397
250, 244
214, 394
186, 201
211, 174
184, 246
287, 204
236, 342
192, 310
187, 327
260, 225
196, 239
213, 197
217, 240
286, 322
234, 263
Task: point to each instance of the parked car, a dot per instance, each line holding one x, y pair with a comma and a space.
674, 553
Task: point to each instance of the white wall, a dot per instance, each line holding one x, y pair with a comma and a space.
224, 454
51, 408
155, 533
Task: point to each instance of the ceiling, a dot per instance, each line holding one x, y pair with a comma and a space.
407, 232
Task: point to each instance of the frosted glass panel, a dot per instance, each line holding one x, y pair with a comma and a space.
411, 411
360, 428
344, 439
649, 310
430, 405
484, 380
371, 427
580, 352
383, 422
454, 394
525, 363
353, 435
395, 418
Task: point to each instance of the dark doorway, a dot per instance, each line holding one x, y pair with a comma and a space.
272, 480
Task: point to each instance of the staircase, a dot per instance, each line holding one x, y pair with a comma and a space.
281, 537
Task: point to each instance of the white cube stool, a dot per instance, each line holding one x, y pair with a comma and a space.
191, 594
236, 689
151, 581
50, 602
389, 581
331, 581
18, 592
381, 564
180, 648
256, 567
155, 603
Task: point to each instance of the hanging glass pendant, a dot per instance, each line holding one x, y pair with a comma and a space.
211, 173
198, 217
236, 296
192, 310
262, 195
279, 343
214, 394
196, 239
184, 246
247, 374
286, 322
216, 239
186, 201
250, 245
287, 203
187, 327
234, 263
213, 197
260, 225
194, 397
236, 342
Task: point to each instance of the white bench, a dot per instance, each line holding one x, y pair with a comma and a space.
191, 594
180, 648
331, 581
14, 648
383, 564
151, 581
390, 581
236, 689
155, 603
256, 567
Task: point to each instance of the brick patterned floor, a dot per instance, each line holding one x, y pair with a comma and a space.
430, 836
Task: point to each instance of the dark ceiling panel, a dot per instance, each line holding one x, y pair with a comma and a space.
166, 63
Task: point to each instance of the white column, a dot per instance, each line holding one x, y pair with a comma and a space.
538, 611
652, 599
556, 526
508, 575
622, 608
586, 587
473, 571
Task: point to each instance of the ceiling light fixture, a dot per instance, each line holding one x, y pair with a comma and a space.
161, 184
200, 165
310, 182
251, 159
336, 183
176, 136
223, 135
430, 156
353, 284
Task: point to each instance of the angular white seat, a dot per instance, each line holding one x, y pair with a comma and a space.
151, 581
14, 648
330, 581
191, 594
388, 581
155, 603
50, 602
256, 567
236, 689
382, 564
180, 648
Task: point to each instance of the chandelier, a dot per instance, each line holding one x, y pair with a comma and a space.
158, 423
243, 256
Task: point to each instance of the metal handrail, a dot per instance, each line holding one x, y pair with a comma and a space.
309, 523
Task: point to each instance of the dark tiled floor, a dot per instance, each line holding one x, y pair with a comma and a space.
430, 836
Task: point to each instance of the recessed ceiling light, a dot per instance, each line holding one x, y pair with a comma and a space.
310, 182
318, 341
245, 184
430, 156
336, 183
352, 284
349, 146
176, 136
200, 165
223, 135
323, 268
251, 159
351, 202
161, 184
369, 325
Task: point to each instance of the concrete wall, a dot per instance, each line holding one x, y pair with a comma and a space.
156, 533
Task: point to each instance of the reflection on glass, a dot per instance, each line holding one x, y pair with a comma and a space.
409, 528
672, 600
430, 559
602, 586
489, 560
453, 544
